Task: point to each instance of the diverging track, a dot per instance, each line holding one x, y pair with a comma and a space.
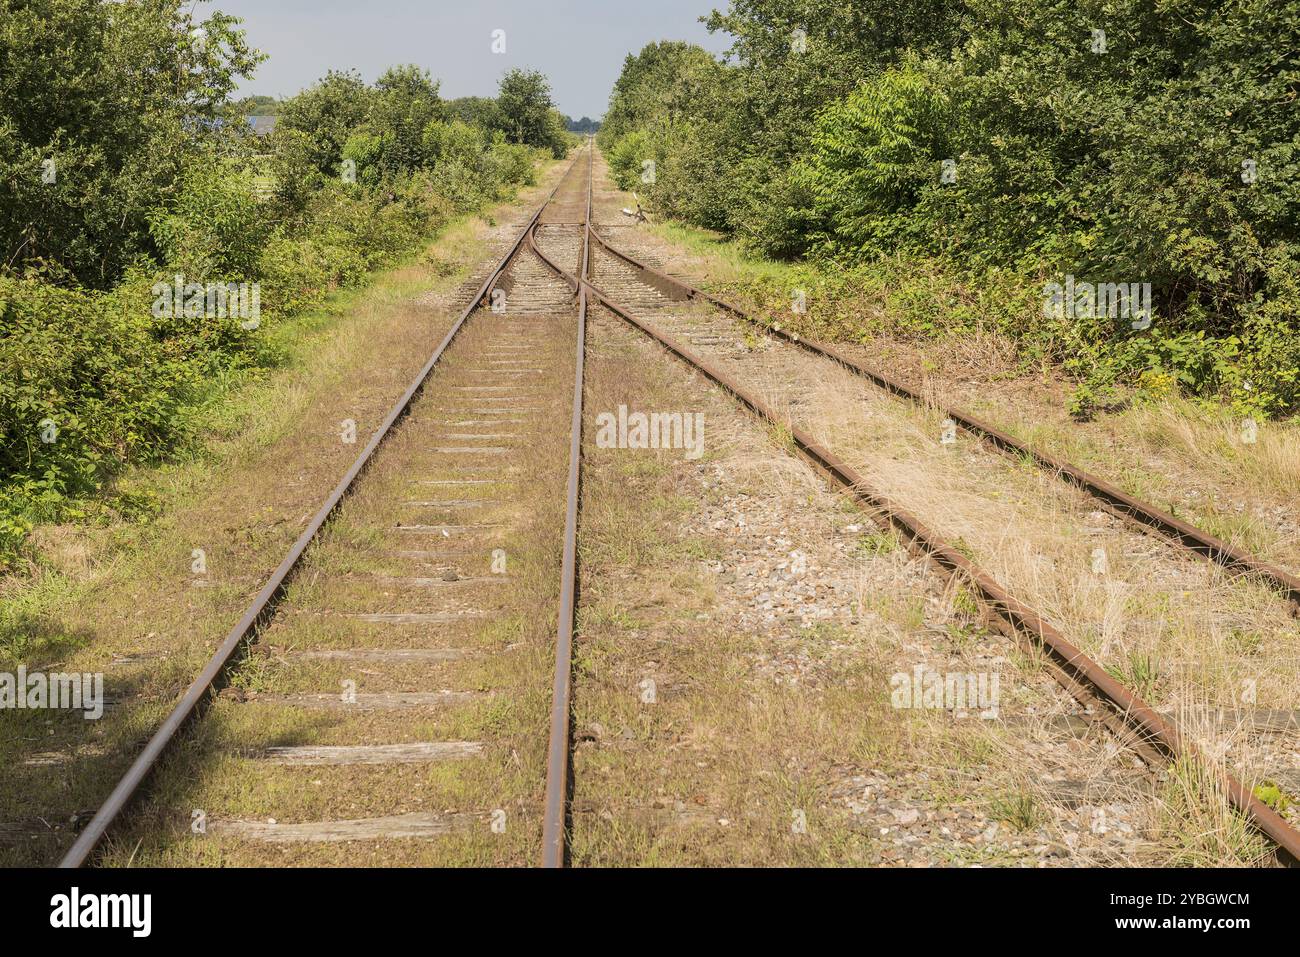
782, 389
401, 690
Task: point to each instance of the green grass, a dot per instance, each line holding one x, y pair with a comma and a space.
1019, 811
1139, 673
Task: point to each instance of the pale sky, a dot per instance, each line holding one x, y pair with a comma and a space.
578, 44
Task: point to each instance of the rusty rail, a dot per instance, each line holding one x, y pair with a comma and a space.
1112, 498
555, 807
268, 598
1076, 670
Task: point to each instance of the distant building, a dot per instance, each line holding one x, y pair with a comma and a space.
261, 125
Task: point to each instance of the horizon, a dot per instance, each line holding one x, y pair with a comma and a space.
305, 40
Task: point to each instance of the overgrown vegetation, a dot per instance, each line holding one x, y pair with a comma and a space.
127, 182
523, 112
941, 164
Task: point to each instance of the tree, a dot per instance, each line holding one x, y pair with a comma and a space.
480, 111
404, 103
666, 82
584, 125
325, 115
256, 106
528, 112
670, 106
793, 57
101, 106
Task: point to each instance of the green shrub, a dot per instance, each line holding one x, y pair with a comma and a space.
626, 157
1135, 143
215, 227
85, 386
872, 157
509, 164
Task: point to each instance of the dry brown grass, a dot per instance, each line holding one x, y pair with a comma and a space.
357, 568
1180, 631
759, 724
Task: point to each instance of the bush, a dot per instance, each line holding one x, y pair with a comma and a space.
215, 228
626, 156
91, 381
872, 158
508, 164
1137, 143
85, 386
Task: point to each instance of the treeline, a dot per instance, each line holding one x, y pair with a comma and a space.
584, 125
952, 161
149, 241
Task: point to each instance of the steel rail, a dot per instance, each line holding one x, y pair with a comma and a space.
268, 598
1076, 666
1114, 499
554, 820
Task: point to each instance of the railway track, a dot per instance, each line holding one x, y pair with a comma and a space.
1109, 496
462, 430
638, 293
383, 601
